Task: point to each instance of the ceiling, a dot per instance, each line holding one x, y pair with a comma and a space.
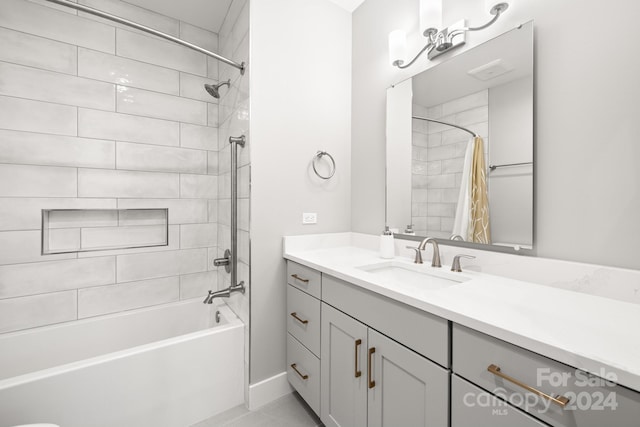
208, 14
348, 5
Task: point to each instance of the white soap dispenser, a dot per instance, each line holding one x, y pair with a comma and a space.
387, 244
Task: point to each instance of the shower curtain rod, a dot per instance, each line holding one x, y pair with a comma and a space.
149, 30
475, 135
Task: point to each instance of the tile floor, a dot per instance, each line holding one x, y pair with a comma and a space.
288, 411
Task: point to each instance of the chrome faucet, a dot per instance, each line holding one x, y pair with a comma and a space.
224, 293
418, 257
435, 261
455, 265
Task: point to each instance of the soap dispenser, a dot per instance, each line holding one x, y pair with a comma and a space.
387, 244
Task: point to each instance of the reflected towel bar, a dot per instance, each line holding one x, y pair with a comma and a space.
494, 167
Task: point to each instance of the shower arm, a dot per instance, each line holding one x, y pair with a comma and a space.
149, 30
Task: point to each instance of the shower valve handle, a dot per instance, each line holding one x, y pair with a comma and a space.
226, 261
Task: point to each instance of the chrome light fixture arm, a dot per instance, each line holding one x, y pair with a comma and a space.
495, 10
431, 44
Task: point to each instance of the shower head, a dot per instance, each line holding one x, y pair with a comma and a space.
214, 90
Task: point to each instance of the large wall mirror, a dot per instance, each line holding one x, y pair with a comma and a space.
460, 147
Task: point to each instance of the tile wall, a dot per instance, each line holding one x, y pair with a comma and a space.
96, 116
233, 118
438, 157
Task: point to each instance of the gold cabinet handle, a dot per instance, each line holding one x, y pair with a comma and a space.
557, 399
294, 367
372, 383
295, 316
357, 373
295, 276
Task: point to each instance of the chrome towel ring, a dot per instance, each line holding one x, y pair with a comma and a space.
319, 156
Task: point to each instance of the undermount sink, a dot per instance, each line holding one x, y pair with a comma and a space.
421, 276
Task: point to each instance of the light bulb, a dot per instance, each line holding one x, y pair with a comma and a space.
431, 16
397, 47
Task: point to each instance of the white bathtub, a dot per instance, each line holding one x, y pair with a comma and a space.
164, 366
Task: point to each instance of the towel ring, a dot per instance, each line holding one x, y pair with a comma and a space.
317, 157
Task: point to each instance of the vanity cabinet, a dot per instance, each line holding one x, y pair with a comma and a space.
303, 332
472, 406
367, 365
367, 379
361, 359
578, 399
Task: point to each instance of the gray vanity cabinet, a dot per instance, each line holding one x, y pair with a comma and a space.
408, 389
367, 379
362, 359
343, 390
472, 406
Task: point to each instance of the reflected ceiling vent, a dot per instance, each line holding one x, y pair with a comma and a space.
491, 70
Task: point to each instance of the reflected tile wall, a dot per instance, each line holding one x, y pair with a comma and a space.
438, 158
99, 116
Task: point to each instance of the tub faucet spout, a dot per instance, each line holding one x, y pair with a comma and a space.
224, 293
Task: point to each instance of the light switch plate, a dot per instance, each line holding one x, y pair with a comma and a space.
309, 218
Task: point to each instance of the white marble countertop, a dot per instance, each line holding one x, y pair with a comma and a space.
596, 334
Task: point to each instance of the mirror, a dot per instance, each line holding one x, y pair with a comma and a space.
436, 180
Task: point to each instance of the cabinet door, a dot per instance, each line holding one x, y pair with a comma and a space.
343, 386
405, 389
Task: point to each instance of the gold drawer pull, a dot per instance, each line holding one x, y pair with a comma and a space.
357, 373
557, 399
295, 316
295, 276
293, 366
372, 383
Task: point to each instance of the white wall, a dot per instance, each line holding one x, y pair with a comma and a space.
586, 111
300, 103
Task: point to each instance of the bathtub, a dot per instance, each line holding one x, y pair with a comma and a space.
162, 366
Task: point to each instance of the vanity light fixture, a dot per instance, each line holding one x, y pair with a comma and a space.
438, 41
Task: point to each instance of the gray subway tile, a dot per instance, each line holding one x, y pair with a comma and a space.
127, 296
37, 181
37, 310
36, 116
123, 184
160, 264
52, 276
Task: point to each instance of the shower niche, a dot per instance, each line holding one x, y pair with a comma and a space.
87, 230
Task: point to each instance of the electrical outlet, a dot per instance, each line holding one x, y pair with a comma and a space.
309, 218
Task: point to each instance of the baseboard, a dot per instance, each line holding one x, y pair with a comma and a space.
268, 390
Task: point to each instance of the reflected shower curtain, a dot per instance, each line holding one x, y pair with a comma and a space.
472, 212
461, 220
479, 228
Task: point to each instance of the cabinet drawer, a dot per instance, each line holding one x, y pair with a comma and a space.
304, 278
473, 407
592, 401
303, 318
422, 332
303, 373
